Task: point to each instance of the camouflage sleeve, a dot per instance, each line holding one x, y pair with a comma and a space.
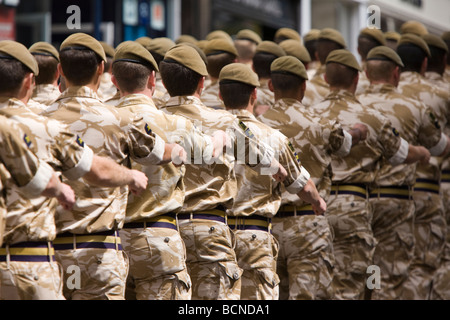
24, 167
197, 144
297, 176
146, 147
249, 150
74, 156
430, 133
340, 141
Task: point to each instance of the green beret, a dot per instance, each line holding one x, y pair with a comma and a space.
187, 56
375, 34
198, 49
289, 64
333, 35
202, 44
270, 47
296, 49
239, 72
435, 41
144, 41
287, 33
218, 34
311, 35
414, 27
343, 57
83, 41
384, 53
409, 38
217, 46
160, 45
131, 51
392, 35
247, 34
12, 49
44, 48
186, 38
109, 50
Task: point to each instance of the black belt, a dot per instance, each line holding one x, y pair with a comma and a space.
293, 211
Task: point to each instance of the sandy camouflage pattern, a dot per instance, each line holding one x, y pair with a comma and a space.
107, 89
264, 95
110, 132
430, 223
306, 241
157, 264
33, 219
316, 88
45, 94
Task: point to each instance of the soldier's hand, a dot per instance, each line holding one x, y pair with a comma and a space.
220, 141
178, 154
426, 155
363, 130
320, 208
66, 196
139, 182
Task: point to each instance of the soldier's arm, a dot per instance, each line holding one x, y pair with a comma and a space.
310, 194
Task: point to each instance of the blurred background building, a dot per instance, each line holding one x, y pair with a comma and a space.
114, 21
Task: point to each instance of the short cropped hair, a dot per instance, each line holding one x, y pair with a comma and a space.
286, 82
79, 66
412, 57
131, 76
339, 75
379, 70
235, 95
12, 74
48, 66
217, 61
262, 62
324, 47
178, 79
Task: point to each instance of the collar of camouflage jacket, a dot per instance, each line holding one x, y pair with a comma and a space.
79, 92
135, 99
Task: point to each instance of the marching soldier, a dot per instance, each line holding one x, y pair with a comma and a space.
348, 209
391, 193
310, 43
259, 197
429, 225
285, 34
306, 258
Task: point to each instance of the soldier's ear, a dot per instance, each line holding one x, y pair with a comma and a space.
270, 84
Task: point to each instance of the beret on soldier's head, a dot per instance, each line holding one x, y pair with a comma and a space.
392, 35
83, 41
375, 34
247, 34
414, 27
109, 50
131, 51
409, 38
160, 45
186, 38
343, 57
289, 64
239, 72
218, 34
144, 41
435, 41
288, 33
187, 56
44, 48
311, 35
270, 47
296, 49
333, 35
10, 49
198, 49
384, 53
217, 46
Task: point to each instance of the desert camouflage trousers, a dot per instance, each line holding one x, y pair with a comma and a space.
430, 231
441, 281
393, 228
211, 259
306, 257
256, 252
350, 216
157, 264
93, 270
29, 280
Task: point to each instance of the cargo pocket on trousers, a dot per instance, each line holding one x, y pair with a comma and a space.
362, 254
435, 244
184, 286
268, 277
404, 255
231, 271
